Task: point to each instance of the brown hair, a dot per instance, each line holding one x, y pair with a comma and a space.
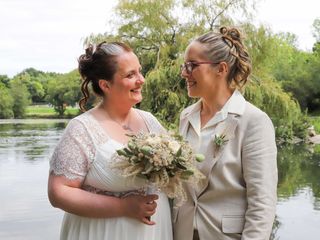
226, 46
98, 63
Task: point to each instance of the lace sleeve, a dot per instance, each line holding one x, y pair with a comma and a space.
74, 152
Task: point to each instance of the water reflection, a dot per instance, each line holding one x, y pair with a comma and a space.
25, 147
298, 213
299, 168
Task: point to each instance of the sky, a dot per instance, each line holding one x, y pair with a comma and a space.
48, 34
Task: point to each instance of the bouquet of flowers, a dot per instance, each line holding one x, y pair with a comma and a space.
165, 160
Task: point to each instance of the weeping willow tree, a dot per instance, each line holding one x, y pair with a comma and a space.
284, 111
159, 32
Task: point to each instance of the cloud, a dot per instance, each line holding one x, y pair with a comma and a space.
47, 35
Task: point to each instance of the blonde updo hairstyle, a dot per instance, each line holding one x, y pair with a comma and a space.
226, 46
98, 62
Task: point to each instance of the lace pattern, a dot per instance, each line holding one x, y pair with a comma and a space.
76, 149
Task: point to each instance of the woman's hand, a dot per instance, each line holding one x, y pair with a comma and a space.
140, 207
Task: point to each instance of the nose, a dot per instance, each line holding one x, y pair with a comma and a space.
184, 73
140, 79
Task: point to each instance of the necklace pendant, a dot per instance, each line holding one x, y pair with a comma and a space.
127, 128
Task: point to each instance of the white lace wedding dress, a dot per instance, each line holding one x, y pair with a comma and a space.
85, 152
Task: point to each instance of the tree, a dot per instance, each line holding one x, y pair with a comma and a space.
6, 102
32, 79
5, 80
316, 29
20, 95
64, 90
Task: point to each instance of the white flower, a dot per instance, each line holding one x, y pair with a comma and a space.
152, 141
174, 146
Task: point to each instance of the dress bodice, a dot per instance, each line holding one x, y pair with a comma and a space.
102, 176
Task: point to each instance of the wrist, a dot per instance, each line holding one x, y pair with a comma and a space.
123, 207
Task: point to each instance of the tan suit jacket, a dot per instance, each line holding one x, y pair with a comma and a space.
237, 200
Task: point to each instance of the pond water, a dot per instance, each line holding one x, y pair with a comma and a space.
25, 212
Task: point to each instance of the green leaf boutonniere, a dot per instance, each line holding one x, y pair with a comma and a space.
219, 141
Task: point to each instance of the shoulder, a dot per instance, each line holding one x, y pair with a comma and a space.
144, 113
78, 125
152, 122
147, 115
78, 121
254, 121
253, 113
185, 112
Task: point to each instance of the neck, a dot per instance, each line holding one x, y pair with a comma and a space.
116, 113
212, 103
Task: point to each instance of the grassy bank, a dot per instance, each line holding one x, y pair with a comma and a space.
315, 121
45, 111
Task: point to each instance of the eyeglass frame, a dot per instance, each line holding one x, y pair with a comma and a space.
193, 64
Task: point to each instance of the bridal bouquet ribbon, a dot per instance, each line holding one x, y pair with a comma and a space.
165, 161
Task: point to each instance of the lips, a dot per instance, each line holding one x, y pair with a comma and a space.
137, 90
191, 83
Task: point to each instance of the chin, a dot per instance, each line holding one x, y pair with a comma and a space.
137, 100
192, 94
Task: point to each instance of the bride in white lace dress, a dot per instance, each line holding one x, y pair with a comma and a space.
99, 203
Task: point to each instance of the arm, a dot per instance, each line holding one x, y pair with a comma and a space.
259, 160
68, 167
67, 194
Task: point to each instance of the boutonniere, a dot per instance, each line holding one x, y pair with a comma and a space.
219, 140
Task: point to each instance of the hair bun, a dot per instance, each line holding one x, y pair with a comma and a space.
89, 51
232, 33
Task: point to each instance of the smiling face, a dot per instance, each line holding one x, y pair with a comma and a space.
127, 82
202, 78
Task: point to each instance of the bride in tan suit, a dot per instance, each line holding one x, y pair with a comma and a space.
238, 198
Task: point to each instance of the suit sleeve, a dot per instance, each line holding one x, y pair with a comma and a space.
259, 161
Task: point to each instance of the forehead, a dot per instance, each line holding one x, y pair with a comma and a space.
195, 51
127, 60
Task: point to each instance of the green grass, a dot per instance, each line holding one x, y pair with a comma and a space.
315, 121
44, 111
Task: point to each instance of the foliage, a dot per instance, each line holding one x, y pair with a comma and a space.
315, 121
6, 102
165, 94
63, 90
20, 95
280, 106
4, 79
36, 82
316, 29
34, 86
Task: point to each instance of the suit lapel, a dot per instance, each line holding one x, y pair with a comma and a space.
227, 128
235, 109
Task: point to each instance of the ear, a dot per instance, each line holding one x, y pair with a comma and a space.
223, 68
104, 85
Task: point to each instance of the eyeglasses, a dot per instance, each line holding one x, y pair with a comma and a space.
190, 66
